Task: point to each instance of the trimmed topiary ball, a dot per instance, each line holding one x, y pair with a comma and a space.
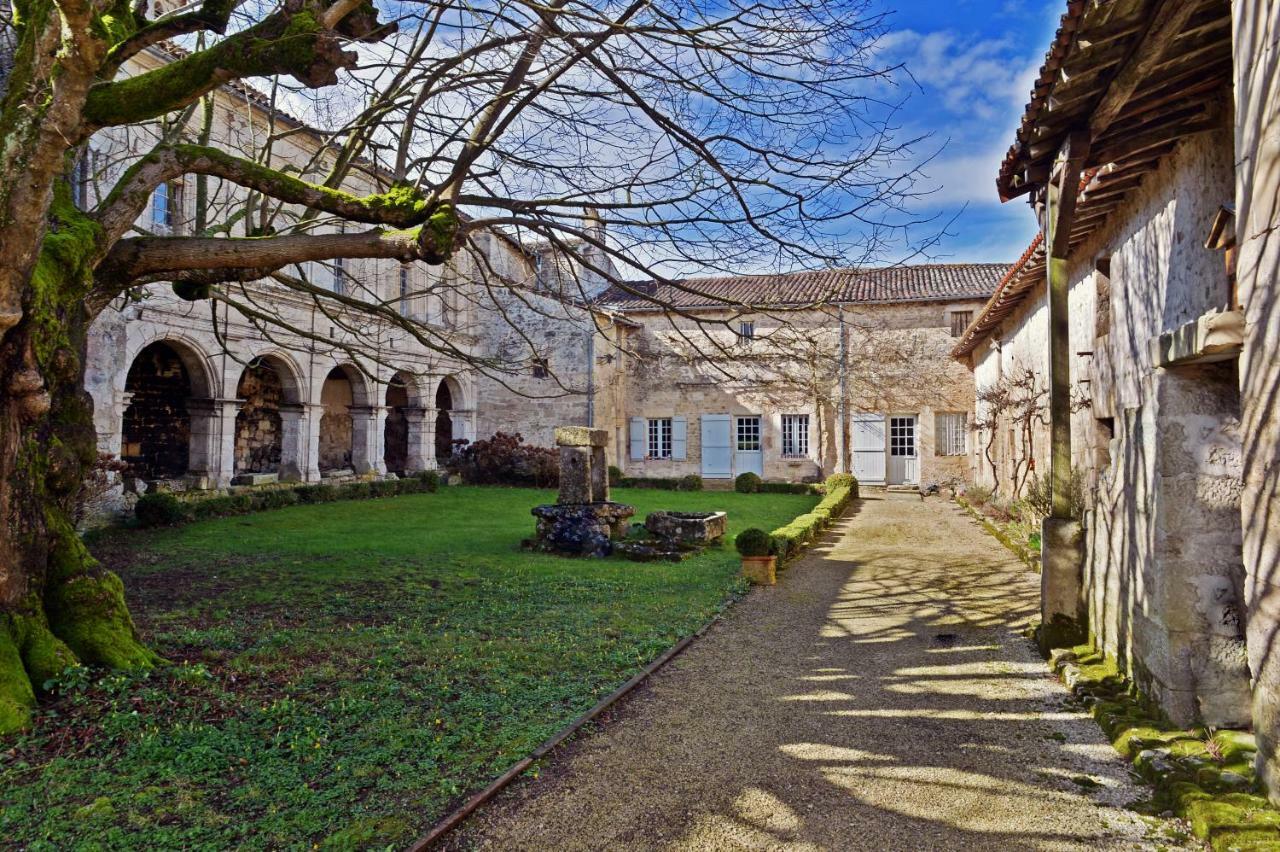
753, 542
692, 482
841, 480
747, 483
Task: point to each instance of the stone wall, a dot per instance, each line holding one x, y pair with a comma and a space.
1159, 447
1256, 43
258, 423
896, 363
335, 424
156, 426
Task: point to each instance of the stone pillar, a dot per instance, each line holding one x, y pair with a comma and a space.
421, 425
367, 423
293, 442
224, 415
1062, 610
203, 446
464, 424
309, 453
584, 469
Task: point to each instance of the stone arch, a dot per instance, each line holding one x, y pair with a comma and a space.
403, 400
345, 388
190, 351
164, 376
449, 398
269, 387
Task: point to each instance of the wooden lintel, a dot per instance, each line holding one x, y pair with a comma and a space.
1166, 23
1071, 160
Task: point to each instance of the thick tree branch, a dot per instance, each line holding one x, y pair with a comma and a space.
399, 207
137, 257
212, 16
292, 42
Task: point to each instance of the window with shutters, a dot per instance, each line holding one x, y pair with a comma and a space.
748, 434
951, 433
405, 290
795, 436
960, 320
166, 207
746, 331
659, 438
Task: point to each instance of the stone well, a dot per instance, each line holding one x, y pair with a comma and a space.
699, 528
583, 521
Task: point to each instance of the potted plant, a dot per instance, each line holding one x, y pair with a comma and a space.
758, 565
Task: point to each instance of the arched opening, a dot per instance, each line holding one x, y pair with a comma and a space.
259, 430
156, 428
444, 422
396, 433
337, 428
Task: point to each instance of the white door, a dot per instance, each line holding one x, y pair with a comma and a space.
902, 451
868, 448
717, 454
748, 455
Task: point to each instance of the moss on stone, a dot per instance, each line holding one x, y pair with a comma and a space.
1188, 769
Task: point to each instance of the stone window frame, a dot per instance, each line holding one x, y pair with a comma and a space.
795, 436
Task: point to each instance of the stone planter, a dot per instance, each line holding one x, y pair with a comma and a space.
699, 528
760, 570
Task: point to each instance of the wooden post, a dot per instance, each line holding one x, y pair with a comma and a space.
1060, 206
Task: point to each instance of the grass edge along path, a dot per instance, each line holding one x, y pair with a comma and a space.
789, 540
1203, 776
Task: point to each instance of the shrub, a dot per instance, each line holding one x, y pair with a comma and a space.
747, 483
843, 480
317, 494
785, 488
384, 488
615, 474
276, 498
505, 459
691, 482
789, 540
753, 542
977, 495
430, 480
660, 483
1039, 495
159, 509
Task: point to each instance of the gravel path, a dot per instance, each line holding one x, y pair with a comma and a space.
880, 697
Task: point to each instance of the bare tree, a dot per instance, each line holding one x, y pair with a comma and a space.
1013, 405
734, 136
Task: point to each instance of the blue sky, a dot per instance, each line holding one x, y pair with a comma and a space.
973, 62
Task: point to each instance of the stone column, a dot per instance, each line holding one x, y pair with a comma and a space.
464, 424
204, 445
309, 453
421, 425
584, 470
225, 414
293, 442
367, 423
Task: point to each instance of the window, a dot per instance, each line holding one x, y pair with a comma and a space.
83, 179
404, 291
749, 434
960, 320
540, 369
166, 202
660, 438
902, 436
795, 435
746, 331
951, 435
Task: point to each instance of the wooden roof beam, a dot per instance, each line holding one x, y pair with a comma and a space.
1168, 21
1071, 159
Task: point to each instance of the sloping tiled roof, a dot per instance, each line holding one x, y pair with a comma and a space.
921, 283
1021, 280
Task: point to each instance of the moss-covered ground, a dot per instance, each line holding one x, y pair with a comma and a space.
345, 672
1205, 777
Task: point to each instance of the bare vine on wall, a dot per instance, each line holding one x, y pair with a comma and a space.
1014, 404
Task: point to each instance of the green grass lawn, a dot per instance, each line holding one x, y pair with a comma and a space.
347, 671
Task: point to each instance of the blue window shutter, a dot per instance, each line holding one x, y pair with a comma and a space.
639, 438
679, 438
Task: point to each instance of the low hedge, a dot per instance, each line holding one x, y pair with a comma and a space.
790, 540
165, 509
692, 482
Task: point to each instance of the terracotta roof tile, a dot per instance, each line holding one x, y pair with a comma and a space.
918, 283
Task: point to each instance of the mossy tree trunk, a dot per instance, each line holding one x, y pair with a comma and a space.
57, 605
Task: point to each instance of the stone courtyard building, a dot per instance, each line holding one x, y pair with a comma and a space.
1150, 153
